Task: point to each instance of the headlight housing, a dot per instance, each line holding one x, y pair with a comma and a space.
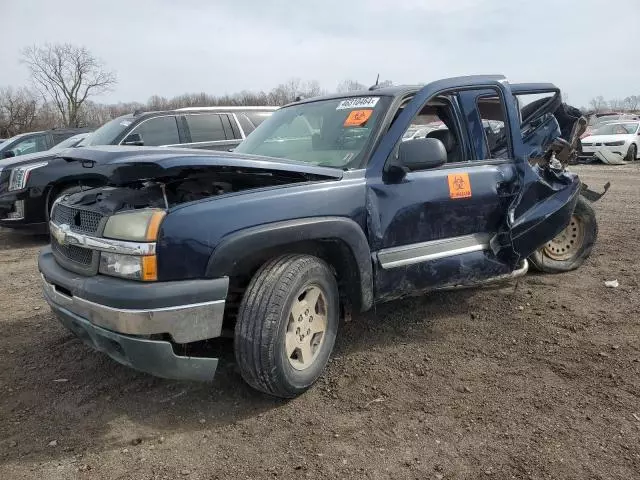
20, 175
134, 226
132, 267
614, 144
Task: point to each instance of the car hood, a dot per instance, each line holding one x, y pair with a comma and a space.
606, 138
133, 164
30, 158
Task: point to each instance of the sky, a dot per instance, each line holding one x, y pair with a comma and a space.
169, 47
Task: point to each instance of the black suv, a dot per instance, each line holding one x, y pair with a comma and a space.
35, 142
30, 185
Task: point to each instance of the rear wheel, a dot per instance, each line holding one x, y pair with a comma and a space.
571, 247
287, 324
632, 153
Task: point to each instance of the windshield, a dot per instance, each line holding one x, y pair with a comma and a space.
605, 118
330, 133
617, 129
107, 133
8, 141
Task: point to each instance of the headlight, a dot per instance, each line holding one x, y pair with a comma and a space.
129, 266
20, 175
614, 144
134, 226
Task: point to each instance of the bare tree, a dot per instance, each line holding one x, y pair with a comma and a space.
615, 104
350, 86
291, 90
18, 111
68, 75
598, 104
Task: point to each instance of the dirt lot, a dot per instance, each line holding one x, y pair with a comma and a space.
535, 380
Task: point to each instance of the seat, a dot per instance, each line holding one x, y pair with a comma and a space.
450, 144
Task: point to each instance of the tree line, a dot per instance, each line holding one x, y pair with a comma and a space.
600, 105
65, 78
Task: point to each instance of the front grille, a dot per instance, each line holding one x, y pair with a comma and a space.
73, 253
81, 221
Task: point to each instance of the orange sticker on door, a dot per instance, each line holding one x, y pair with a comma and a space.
459, 185
357, 118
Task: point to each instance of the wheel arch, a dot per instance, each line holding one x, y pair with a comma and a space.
54, 188
339, 241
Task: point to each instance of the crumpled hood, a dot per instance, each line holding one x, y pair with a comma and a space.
131, 164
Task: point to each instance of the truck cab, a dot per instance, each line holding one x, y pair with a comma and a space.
327, 207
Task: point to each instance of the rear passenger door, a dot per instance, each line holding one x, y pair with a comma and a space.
211, 131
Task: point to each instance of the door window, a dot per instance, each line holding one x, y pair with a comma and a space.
205, 127
30, 145
257, 118
245, 123
158, 131
437, 120
493, 120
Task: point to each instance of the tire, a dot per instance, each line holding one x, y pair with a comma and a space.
632, 153
583, 228
57, 195
266, 331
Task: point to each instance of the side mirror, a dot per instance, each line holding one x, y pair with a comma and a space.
422, 153
134, 139
8, 154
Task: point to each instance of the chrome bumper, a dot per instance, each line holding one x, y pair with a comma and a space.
185, 323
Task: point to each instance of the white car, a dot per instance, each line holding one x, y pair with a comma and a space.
621, 138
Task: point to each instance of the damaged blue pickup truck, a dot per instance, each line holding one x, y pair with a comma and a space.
327, 207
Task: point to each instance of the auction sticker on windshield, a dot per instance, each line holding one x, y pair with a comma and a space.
357, 118
358, 102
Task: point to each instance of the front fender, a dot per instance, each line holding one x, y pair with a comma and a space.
250, 241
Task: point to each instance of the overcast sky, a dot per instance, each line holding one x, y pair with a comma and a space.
169, 47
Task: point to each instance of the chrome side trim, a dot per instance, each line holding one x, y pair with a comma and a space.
185, 323
433, 250
64, 235
232, 141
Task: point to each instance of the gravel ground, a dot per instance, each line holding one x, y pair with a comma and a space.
538, 379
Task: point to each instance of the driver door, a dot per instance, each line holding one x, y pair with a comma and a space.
432, 228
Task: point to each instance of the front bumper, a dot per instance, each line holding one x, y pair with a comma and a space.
590, 150
118, 317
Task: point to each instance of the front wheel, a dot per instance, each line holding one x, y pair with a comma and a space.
632, 153
571, 247
287, 324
